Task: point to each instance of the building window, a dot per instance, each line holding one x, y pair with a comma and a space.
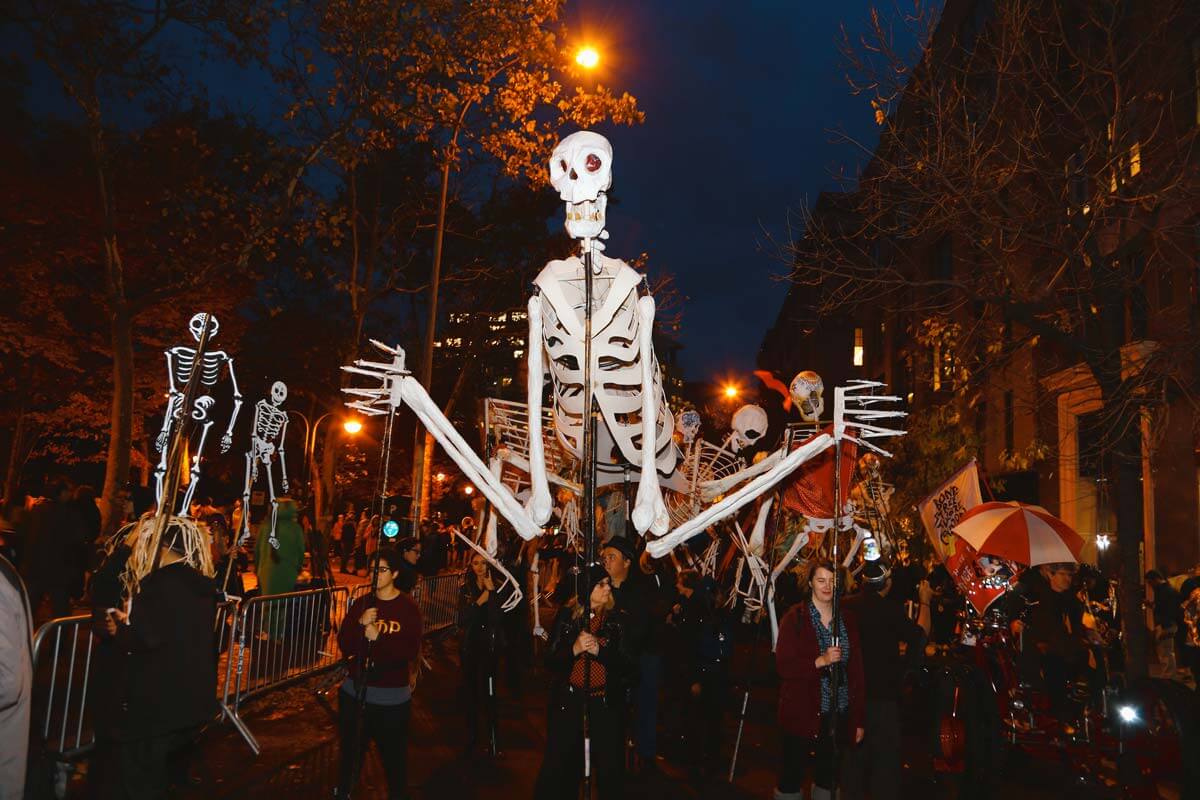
858, 347
518, 353
1010, 423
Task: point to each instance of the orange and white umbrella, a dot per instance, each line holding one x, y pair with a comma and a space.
1018, 532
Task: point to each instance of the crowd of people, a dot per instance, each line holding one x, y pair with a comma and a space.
637, 658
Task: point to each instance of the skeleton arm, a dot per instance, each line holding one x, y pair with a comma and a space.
650, 513
741, 497
282, 458
173, 401
227, 439
415, 397
514, 599
718, 487
540, 504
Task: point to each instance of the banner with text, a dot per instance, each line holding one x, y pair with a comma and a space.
943, 509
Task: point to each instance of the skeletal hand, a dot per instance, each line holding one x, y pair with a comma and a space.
273, 542
285, 486
226, 442
160, 441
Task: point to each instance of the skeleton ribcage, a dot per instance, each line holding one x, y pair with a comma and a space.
617, 367
210, 366
506, 424
702, 462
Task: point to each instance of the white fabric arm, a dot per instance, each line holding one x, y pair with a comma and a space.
719, 486
650, 512
460, 452
730, 505
540, 504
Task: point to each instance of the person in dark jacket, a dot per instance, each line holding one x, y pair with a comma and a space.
55, 554
590, 661
482, 632
704, 644
168, 677
389, 619
817, 677
891, 643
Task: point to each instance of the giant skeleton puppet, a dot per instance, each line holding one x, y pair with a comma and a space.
627, 386
266, 441
181, 364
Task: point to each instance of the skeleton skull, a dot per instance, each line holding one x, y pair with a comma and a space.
749, 426
278, 393
581, 171
196, 325
688, 425
808, 391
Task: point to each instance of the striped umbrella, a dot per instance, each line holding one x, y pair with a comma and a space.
1018, 532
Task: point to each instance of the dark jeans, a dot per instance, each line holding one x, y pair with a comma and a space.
645, 706
802, 754
875, 764
702, 718
146, 767
562, 766
387, 726
479, 690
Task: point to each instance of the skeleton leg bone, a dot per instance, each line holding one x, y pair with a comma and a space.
194, 473
244, 533
274, 505
742, 496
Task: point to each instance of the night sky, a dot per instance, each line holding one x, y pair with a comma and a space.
740, 99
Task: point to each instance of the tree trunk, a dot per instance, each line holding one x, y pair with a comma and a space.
427, 466
13, 473
426, 375
1130, 536
116, 471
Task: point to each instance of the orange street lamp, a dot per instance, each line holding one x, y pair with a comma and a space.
469, 490
352, 426
587, 57
730, 391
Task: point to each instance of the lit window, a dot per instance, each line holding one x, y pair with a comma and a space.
506, 381
518, 353
454, 341
858, 347
1135, 159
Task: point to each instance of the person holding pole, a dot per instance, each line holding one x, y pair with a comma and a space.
810, 648
588, 654
481, 624
390, 621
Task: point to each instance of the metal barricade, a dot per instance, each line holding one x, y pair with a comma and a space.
277, 640
62, 666
437, 597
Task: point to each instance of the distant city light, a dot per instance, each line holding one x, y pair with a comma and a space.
352, 426
469, 490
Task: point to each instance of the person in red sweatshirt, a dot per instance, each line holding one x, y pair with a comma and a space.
391, 620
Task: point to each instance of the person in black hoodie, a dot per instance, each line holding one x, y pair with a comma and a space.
479, 620
590, 661
169, 676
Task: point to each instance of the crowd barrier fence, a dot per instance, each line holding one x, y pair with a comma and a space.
263, 643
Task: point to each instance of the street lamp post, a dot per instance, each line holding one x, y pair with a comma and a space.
351, 426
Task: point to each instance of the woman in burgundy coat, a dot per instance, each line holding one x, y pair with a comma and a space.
806, 659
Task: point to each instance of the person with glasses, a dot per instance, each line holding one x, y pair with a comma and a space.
388, 618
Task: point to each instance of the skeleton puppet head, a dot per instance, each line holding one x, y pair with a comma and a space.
278, 393
581, 171
688, 425
808, 392
749, 426
196, 325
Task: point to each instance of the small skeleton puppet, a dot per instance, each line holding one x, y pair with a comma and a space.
749, 424
181, 363
627, 384
702, 463
266, 440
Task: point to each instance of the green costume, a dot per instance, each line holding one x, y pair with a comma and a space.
277, 570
